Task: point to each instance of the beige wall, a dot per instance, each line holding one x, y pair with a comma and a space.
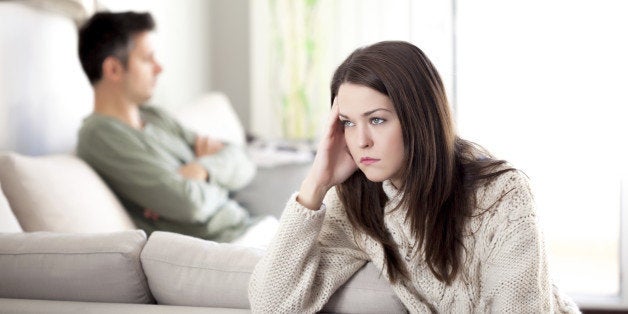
230, 46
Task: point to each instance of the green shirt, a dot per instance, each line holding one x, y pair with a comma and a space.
141, 167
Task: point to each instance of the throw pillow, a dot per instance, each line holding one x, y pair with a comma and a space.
60, 193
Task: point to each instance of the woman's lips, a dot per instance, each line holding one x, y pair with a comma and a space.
368, 160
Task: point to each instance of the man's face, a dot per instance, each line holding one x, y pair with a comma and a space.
142, 69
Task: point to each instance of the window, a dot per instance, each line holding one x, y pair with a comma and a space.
539, 83
542, 84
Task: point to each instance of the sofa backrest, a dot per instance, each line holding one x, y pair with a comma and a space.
60, 193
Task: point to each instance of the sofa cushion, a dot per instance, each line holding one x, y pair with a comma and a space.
60, 193
8, 222
95, 267
183, 270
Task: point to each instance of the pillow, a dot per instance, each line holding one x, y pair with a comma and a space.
8, 222
183, 270
212, 115
96, 267
60, 193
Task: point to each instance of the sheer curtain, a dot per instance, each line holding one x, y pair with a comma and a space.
280, 30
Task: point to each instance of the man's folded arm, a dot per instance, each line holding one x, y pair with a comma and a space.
141, 177
231, 167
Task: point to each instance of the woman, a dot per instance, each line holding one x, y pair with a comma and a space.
451, 228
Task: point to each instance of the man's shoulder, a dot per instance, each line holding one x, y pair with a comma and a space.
155, 112
97, 125
100, 132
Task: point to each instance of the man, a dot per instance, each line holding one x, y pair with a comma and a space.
167, 177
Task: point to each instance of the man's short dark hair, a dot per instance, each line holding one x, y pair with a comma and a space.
109, 34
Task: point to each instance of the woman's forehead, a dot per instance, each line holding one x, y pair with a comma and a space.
356, 99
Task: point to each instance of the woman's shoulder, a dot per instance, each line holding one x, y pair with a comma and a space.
507, 195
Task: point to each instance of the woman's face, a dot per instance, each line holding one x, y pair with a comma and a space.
372, 132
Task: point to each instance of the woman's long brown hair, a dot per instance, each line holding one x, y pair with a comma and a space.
441, 172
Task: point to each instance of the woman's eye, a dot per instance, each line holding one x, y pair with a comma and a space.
377, 121
346, 123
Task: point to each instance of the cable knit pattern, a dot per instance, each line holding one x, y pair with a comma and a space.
504, 263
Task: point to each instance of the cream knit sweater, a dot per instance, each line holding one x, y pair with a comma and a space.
504, 267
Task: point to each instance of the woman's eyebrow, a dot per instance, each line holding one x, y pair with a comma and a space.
368, 113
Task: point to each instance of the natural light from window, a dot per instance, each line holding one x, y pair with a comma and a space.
543, 85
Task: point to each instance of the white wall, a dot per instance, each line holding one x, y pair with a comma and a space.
44, 94
203, 45
183, 46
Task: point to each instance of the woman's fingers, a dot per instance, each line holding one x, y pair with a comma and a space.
332, 121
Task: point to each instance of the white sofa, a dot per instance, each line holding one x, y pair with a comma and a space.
68, 246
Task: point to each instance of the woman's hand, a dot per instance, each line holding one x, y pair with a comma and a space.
332, 165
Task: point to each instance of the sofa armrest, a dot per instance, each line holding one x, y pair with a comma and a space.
25, 306
183, 270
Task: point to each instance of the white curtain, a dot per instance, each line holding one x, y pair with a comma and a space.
280, 30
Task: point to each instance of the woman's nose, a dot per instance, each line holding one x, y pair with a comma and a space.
364, 138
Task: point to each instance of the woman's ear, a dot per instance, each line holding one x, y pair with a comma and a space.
112, 69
